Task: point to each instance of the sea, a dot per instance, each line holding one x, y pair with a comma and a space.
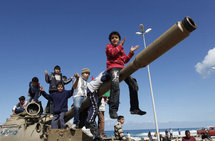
144, 132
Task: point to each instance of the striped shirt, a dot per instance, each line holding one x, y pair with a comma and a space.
118, 132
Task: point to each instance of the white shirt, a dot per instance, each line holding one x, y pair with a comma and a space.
21, 106
102, 106
57, 77
80, 90
95, 83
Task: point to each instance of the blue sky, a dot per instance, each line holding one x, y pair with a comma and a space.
37, 35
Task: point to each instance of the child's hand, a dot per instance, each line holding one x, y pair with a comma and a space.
46, 73
76, 75
41, 89
134, 48
123, 41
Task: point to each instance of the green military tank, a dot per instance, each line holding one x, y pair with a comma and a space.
33, 126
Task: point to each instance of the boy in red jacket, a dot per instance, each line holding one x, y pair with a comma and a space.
116, 58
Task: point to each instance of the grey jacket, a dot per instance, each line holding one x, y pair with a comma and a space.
51, 79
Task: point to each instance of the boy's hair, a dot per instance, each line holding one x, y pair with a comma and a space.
187, 131
114, 33
120, 117
57, 67
35, 79
21, 98
60, 84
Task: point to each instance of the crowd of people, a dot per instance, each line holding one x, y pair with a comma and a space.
169, 136
57, 97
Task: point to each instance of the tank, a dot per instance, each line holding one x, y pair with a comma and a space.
31, 125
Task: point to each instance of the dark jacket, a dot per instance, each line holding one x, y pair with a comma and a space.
60, 100
34, 91
53, 82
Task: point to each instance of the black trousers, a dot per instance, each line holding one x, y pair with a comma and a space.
115, 91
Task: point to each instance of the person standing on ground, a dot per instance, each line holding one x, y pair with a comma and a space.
101, 118
188, 137
150, 136
166, 132
118, 131
171, 133
179, 132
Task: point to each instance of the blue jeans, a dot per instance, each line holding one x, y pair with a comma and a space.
19, 110
77, 105
56, 119
30, 99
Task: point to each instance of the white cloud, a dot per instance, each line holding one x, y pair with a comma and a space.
204, 67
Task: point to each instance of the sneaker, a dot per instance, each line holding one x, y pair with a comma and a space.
113, 114
87, 131
138, 112
51, 115
67, 126
73, 127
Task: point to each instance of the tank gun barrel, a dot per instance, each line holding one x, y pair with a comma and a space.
162, 44
33, 109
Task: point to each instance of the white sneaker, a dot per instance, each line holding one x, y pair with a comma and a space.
73, 127
87, 131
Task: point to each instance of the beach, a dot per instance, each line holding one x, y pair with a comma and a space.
142, 135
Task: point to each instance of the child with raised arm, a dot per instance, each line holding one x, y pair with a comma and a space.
116, 58
60, 100
53, 79
80, 93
